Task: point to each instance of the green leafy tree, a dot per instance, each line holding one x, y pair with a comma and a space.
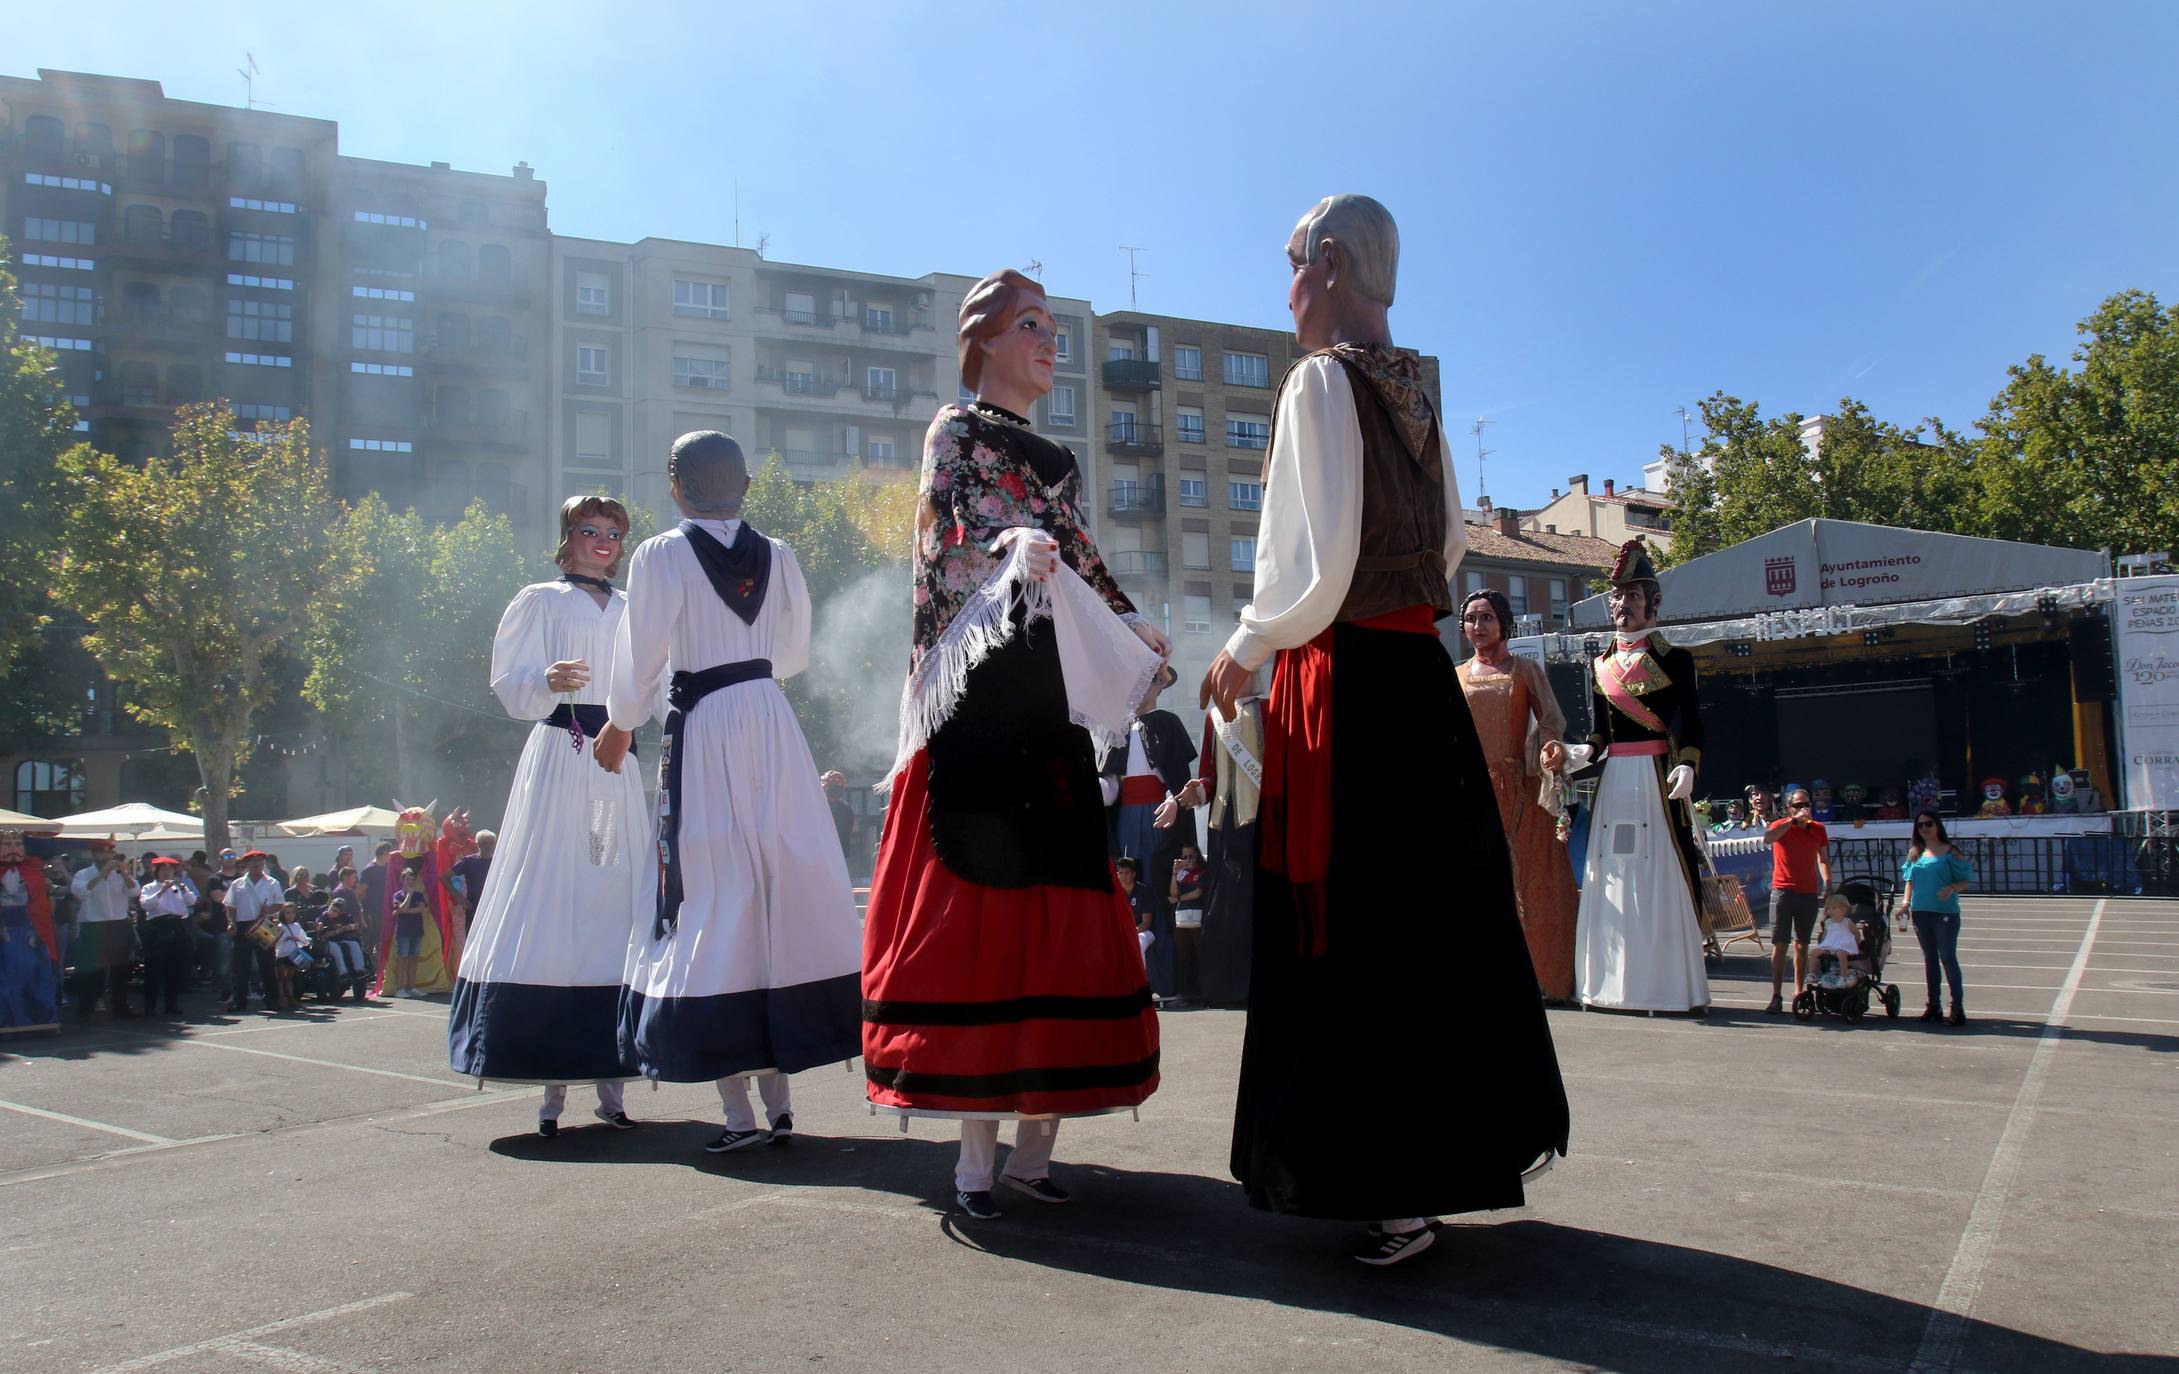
401, 666
2089, 457
36, 427
1753, 475
195, 572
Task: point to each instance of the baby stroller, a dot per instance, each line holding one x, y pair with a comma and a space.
1849, 997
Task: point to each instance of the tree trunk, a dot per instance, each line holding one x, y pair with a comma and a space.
401, 773
216, 770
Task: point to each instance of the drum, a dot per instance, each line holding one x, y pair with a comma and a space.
265, 932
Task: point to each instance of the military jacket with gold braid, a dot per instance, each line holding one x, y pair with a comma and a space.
1662, 682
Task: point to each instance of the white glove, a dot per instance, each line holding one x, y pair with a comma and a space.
1682, 779
1578, 756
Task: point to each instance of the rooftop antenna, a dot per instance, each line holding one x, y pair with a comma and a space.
1482, 497
249, 74
737, 212
1133, 276
763, 241
1685, 421
1036, 268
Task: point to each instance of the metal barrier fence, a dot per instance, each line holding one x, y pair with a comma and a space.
2139, 858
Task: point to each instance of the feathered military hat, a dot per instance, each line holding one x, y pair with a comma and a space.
1633, 565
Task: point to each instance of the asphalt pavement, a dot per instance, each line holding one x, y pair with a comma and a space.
315, 1192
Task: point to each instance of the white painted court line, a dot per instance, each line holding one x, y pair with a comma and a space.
89, 1125
1955, 1303
242, 1344
2130, 1020
442, 1082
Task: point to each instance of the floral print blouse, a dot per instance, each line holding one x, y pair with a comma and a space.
986, 471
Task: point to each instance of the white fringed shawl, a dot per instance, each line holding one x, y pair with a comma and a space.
1107, 669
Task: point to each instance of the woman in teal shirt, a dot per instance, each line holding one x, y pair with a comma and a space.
1930, 883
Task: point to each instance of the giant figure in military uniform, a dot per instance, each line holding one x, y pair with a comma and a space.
1638, 943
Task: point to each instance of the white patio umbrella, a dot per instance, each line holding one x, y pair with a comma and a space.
359, 820
35, 825
129, 821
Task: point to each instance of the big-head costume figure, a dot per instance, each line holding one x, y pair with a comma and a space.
1638, 944
438, 952
29, 953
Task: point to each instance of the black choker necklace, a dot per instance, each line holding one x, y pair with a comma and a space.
1000, 413
600, 583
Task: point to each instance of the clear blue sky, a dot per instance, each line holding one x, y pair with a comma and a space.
1609, 210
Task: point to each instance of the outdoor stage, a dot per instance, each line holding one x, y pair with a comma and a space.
1745, 1193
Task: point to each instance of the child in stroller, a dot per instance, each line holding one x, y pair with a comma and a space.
1859, 977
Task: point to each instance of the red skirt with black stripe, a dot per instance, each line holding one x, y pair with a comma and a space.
997, 1001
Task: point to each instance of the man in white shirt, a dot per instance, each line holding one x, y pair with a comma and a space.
166, 901
249, 898
105, 942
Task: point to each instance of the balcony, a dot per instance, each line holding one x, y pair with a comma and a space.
883, 391
511, 290
1137, 563
811, 465
164, 252
1131, 439
508, 434
1130, 374
1139, 498
460, 356
112, 400
800, 383
165, 330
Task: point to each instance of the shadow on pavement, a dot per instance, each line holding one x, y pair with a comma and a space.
1589, 1298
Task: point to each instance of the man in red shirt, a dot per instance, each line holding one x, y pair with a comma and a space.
1800, 875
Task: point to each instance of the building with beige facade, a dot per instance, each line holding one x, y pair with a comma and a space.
1615, 513
837, 371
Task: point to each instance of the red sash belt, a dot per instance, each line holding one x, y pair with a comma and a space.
1144, 788
1640, 748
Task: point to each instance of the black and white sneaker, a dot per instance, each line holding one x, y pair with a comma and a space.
1042, 1189
783, 1129
731, 1139
1383, 1248
977, 1205
548, 1129
617, 1120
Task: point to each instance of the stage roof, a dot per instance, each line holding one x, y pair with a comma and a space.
1820, 563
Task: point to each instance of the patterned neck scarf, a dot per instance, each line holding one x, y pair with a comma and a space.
1398, 379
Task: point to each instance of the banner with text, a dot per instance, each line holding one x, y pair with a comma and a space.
2145, 626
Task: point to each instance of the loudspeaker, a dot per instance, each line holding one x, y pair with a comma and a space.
2095, 676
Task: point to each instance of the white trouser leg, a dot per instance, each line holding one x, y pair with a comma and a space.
778, 1099
611, 1096
1032, 1154
734, 1096
555, 1099
979, 1147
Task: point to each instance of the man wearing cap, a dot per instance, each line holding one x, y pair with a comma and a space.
1638, 944
253, 896
166, 901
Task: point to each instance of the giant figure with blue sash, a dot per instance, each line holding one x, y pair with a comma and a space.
750, 963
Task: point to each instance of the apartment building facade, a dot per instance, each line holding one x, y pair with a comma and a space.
1184, 426
1615, 513
837, 371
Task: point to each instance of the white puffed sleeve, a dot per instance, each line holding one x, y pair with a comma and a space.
791, 633
520, 656
645, 635
1311, 533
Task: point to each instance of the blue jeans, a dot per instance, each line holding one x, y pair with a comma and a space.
1939, 932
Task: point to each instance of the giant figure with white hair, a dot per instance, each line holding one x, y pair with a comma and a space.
1382, 863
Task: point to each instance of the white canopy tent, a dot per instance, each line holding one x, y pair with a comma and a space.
359, 820
34, 825
130, 821
1829, 577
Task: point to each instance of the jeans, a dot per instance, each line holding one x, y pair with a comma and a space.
1939, 932
347, 956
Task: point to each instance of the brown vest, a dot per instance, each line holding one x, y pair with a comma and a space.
1403, 517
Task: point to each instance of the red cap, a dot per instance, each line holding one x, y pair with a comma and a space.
162, 861
255, 854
